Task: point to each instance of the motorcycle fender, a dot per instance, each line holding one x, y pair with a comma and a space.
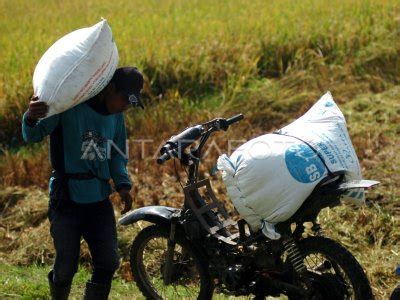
356, 184
153, 214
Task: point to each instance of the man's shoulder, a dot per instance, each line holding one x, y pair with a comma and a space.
119, 115
79, 108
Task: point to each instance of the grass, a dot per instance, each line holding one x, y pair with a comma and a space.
194, 49
31, 283
202, 59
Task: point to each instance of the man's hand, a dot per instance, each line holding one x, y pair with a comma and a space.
126, 198
37, 109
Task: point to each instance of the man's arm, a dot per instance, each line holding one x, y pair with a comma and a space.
117, 164
33, 129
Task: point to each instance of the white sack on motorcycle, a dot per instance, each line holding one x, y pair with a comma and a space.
269, 177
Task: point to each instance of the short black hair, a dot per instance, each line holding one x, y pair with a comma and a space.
128, 80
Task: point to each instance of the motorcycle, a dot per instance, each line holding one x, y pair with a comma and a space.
198, 250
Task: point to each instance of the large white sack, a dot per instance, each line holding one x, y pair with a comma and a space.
269, 177
76, 67
324, 128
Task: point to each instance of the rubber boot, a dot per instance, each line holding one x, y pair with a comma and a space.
58, 292
96, 291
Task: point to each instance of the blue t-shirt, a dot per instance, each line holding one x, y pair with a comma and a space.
83, 140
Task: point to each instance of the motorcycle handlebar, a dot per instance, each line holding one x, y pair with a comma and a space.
188, 136
163, 158
234, 119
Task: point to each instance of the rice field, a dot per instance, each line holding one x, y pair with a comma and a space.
267, 59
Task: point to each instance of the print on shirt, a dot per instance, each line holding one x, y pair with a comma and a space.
93, 146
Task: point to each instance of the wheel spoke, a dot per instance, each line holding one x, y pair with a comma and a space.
185, 275
316, 262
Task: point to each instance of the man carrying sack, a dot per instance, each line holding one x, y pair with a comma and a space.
87, 149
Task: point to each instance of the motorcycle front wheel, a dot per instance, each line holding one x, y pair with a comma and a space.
190, 279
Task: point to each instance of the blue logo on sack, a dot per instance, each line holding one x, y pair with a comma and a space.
328, 104
304, 164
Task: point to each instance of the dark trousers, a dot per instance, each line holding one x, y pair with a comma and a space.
95, 222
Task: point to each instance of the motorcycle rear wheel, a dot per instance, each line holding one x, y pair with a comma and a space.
333, 270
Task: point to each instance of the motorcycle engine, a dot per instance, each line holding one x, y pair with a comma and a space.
232, 277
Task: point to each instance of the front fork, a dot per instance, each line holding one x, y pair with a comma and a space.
170, 250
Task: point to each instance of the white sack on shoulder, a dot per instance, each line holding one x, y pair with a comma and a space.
76, 67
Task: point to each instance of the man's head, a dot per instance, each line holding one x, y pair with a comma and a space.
123, 90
